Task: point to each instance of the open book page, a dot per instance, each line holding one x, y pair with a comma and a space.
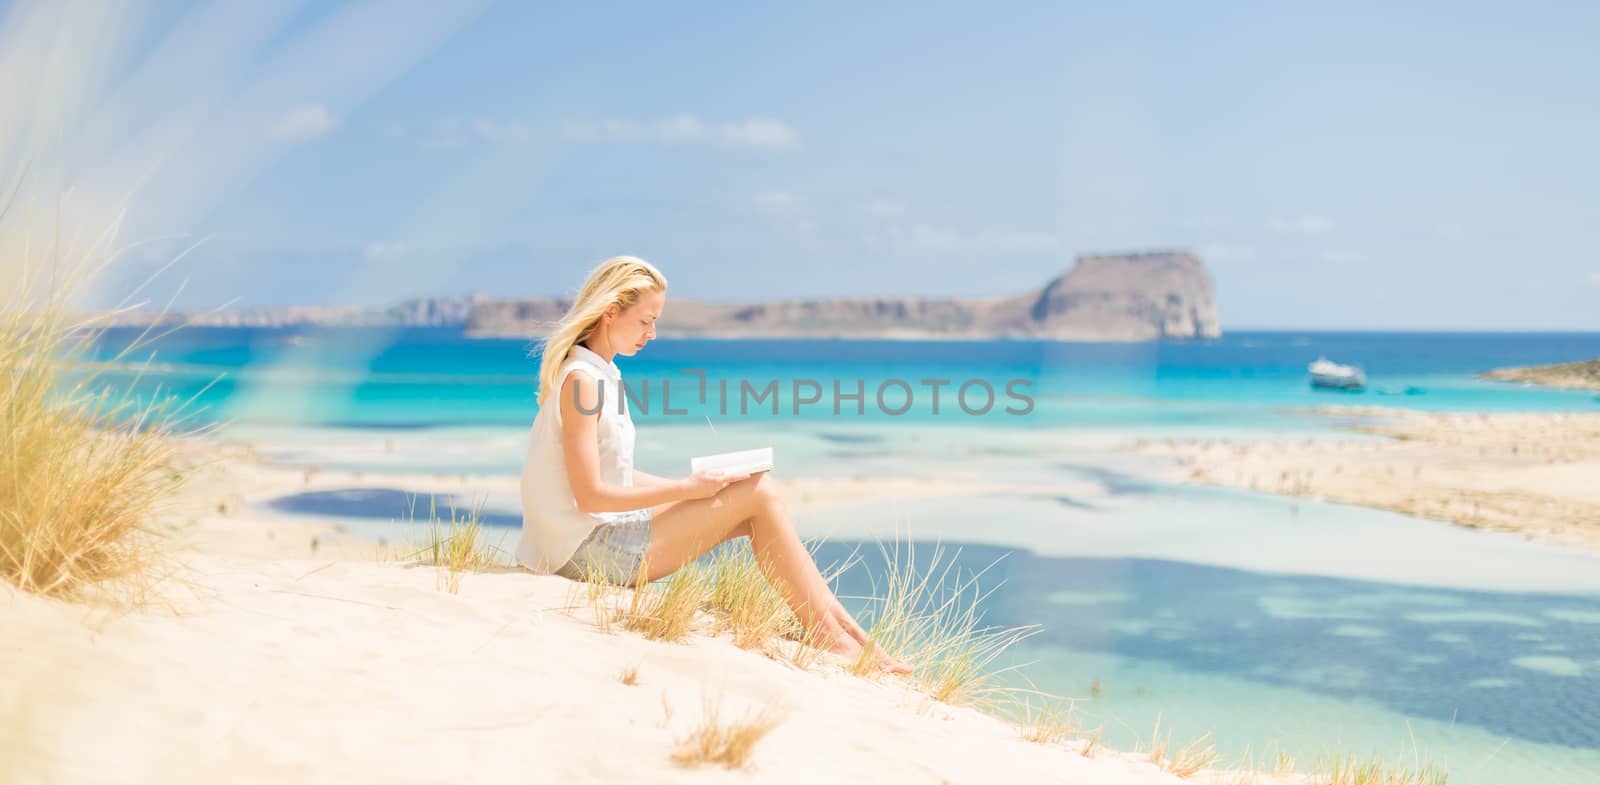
739, 462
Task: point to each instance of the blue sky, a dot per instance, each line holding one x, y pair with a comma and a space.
1365, 166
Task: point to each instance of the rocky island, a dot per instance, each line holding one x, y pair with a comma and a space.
416, 312
1582, 375
1156, 295
1115, 297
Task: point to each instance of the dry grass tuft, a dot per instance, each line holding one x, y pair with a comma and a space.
1185, 761
630, 676
84, 469
1192, 758
726, 583
668, 609
455, 546
803, 651
1049, 722
599, 596
1282, 763
714, 741
1355, 771
745, 603
1249, 771
1093, 742
930, 616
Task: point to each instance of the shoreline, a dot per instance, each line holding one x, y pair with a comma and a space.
276, 619
1528, 474
1582, 375
294, 616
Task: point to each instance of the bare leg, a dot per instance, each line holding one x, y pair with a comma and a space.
685, 530
774, 539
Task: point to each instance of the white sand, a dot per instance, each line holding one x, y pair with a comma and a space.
1533, 474
269, 666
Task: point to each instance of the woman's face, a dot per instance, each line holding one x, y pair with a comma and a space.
631, 329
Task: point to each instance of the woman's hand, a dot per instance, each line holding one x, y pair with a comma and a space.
701, 485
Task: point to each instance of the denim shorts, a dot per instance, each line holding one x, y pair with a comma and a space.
614, 551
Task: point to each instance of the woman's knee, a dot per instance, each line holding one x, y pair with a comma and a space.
755, 491
767, 489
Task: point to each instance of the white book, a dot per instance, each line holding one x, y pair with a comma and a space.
740, 462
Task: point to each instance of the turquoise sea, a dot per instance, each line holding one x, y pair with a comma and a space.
1272, 623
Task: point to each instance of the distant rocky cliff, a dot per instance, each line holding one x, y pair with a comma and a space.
419, 312
1114, 297
1581, 375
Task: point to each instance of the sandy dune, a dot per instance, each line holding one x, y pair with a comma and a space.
1535, 474
266, 664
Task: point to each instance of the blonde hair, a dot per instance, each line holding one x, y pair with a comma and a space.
617, 281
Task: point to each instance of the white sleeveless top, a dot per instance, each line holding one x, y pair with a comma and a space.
552, 525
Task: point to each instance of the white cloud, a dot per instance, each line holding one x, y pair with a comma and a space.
1201, 222
1226, 253
683, 128
926, 237
759, 133
156, 119
1594, 278
452, 133
932, 238
687, 129
303, 123
779, 204
883, 208
493, 131
384, 252
991, 240
447, 134
1453, 232
1305, 224
1342, 257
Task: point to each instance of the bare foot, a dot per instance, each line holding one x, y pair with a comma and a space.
885, 662
852, 651
889, 664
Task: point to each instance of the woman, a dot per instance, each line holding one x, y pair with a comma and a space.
588, 513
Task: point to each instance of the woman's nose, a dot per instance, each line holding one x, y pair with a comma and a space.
650, 332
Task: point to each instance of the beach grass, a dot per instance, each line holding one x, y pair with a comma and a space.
1092, 742
1278, 764
665, 610
1282, 763
84, 471
1356, 770
668, 610
930, 615
726, 585
804, 651
923, 610
454, 545
1046, 719
1185, 761
726, 742
746, 605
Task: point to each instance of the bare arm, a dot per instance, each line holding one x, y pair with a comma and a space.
650, 480
580, 392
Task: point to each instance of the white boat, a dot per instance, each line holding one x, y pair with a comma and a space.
1332, 375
